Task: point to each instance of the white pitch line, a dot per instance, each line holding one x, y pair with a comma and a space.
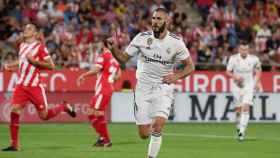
165, 134
218, 136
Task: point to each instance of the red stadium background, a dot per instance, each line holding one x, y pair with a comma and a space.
61, 85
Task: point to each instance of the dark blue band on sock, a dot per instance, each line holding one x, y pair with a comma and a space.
156, 134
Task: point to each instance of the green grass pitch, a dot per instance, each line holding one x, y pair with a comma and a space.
179, 141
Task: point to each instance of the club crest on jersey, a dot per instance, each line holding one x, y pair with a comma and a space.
149, 42
168, 51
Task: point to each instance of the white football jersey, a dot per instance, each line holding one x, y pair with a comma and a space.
244, 67
156, 57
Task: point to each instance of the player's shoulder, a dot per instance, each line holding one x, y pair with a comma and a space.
106, 55
252, 56
234, 56
42, 47
175, 36
145, 33
102, 55
99, 58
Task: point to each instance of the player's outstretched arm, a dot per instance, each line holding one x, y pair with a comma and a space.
173, 77
258, 74
121, 57
258, 84
47, 63
13, 66
91, 72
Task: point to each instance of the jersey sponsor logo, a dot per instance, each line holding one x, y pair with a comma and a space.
147, 59
157, 56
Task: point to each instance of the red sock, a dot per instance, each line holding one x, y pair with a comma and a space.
94, 123
52, 112
102, 126
14, 129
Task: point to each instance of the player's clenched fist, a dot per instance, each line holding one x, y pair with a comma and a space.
170, 78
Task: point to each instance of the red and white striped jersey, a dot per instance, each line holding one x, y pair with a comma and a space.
105, 79
29, 74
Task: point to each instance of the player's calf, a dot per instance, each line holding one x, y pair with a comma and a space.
144, 131
46, 114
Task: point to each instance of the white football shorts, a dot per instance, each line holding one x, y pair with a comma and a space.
243, 95
152, 100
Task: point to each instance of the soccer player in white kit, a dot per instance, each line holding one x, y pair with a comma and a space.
245, 70
158, 50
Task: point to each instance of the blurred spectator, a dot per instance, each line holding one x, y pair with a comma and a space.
74, 29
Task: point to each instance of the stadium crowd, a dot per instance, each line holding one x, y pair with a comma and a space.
74, 29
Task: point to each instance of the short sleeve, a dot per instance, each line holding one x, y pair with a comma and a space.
99, 61
230, 64
133, 48
258, 65
43, 52
182, 52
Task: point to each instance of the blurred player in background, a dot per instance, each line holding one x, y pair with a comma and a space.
245, 70
158, 51
108, 71
33, 57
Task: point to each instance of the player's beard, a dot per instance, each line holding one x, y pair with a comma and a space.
159, 30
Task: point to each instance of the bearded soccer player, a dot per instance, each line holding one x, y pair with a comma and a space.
108, 71
158, 51
245, 70
33, 57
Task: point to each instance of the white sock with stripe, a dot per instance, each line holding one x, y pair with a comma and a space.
237, 121
244, 119
154, 146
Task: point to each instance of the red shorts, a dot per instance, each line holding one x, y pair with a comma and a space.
100, 102
35, 95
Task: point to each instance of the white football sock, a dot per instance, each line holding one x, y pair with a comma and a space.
154, 146
237, 121
244, 119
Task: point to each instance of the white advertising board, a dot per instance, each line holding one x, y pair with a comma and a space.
203, 107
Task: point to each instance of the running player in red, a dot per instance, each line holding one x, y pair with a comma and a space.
33, 57
108, 71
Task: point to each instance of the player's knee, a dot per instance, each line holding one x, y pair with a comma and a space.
16, 109
43, 116
157, 128
144, 131
238, 110
245, 108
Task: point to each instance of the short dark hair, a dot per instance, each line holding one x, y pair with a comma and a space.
36, 27
105, 40
244, 42
162, 10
